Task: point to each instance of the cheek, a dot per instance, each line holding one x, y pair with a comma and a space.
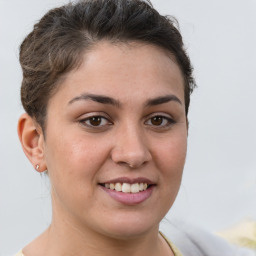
73, 149
74, 161
172, 154
171, 157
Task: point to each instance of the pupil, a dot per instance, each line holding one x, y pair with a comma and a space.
157, 120
95, 121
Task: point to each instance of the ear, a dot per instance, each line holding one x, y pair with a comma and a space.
32, 141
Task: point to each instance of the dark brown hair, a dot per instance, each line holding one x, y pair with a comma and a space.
58, 41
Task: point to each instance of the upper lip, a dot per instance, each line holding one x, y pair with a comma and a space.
129, 180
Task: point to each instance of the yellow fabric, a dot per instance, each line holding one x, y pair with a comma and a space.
172, 246
243, 234
19, 254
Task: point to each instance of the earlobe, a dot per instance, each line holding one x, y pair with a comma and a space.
32, 141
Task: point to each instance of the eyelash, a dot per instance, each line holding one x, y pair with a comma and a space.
164, 119
94, 118
98, 118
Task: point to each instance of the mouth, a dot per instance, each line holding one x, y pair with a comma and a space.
127, 187
129, 191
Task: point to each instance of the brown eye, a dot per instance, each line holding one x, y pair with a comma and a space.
157, 120
95, 121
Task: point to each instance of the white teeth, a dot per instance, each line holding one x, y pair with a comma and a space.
135, 188
118, 187
126, 187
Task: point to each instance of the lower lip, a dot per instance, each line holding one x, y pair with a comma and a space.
129, 198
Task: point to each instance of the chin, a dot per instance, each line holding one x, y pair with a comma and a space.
124, 234
130, 227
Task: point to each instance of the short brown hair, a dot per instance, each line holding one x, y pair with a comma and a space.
56, 44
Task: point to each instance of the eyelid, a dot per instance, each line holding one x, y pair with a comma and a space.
165, 116
94, 114
82, 120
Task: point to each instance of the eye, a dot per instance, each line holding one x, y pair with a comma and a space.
160, 121
95, 121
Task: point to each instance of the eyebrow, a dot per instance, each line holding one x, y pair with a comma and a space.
97, 98
108, 100
162, 100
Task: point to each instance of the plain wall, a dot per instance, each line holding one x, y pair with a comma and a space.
219, 183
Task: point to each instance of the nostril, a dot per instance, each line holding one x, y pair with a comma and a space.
133, 165
127, 164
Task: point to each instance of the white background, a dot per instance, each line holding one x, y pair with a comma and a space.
219, 184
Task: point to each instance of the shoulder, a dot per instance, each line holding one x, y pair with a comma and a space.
193, 241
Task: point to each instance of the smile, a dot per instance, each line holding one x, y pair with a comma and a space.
126, 187
129, 191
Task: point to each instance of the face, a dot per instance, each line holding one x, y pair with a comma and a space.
116, 138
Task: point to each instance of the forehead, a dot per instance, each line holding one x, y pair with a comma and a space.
124, 69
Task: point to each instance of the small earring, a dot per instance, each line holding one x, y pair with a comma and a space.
37, 167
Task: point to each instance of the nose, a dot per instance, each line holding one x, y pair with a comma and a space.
130, 148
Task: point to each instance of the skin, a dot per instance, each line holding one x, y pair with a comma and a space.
126, 142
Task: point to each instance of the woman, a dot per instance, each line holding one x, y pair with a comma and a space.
106, 87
